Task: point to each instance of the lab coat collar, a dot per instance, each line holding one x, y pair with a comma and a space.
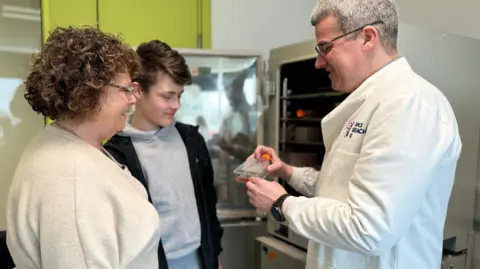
335, 121
388, 71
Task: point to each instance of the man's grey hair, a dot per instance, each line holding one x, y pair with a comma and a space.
353, 14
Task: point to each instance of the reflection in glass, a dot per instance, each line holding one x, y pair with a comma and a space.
223, 102
20, 36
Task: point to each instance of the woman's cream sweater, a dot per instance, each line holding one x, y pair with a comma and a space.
71, 206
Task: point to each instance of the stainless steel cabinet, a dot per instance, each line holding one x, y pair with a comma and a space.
276, 254
456, 262
239, 244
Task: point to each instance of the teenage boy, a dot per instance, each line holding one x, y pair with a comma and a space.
172, 161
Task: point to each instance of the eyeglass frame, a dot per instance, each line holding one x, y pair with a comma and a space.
127, 89
323, 48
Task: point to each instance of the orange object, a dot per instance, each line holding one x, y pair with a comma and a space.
242, 179
267, 156
272, 255
300, 113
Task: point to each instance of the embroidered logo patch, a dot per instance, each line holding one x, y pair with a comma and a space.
353, 127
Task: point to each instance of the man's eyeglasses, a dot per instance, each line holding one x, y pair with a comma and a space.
323, 48
128, 89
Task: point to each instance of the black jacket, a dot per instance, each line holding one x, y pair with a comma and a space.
6, 261
202, 175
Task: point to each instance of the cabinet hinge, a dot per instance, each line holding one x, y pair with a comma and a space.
199, 41
269, 85
269, 88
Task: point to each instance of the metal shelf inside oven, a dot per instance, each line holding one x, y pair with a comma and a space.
302, 119
312, 95
306, 143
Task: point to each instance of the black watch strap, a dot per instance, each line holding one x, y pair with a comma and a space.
280, 201
276, 210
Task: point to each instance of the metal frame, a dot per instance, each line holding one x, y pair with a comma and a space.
236, 54
278, 58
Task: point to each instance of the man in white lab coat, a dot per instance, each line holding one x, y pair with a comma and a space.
380, 199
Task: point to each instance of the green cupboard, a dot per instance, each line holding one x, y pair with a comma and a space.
181, 23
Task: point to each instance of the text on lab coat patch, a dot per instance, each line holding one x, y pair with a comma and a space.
353, 127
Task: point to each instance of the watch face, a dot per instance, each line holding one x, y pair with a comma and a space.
277, 214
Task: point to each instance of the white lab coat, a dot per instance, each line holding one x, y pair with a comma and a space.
380, 199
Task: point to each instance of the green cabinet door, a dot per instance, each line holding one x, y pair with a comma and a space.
176, 22
67, 13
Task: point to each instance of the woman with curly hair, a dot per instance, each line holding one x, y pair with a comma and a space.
71, 205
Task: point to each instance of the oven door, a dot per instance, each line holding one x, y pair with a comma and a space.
283, 232
274, 254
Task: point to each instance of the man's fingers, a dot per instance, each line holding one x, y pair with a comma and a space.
255, 180
250, 185
274, 167
260, 150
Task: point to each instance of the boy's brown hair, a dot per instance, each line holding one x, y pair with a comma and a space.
157, 56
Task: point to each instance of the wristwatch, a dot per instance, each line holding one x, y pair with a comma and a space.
277, 208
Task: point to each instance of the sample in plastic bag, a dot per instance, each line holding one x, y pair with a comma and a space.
253, 168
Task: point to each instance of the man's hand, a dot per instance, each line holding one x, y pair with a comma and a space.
278, 168
219, 264
263, 193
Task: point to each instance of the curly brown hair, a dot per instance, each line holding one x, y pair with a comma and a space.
72, 68
157, 56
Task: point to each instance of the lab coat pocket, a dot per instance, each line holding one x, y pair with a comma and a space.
342, 170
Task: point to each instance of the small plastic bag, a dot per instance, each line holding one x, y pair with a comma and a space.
253, 168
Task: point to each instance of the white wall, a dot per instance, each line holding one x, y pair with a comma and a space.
260, 25
20, 24
457, 17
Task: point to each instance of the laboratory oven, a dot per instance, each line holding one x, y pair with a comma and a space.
300, 96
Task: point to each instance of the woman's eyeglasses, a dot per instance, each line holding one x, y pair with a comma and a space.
128, 89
